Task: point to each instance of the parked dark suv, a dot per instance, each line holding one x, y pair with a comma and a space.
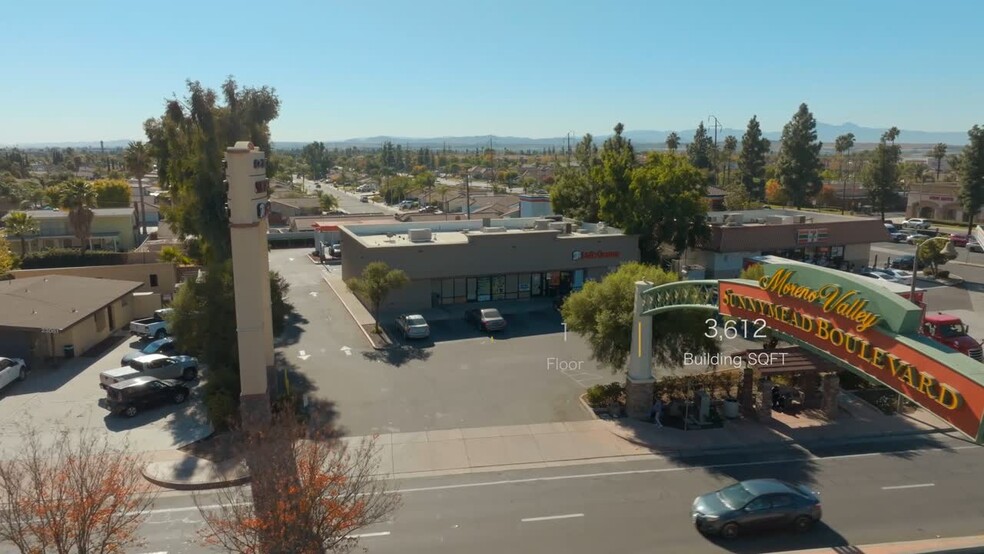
129, 397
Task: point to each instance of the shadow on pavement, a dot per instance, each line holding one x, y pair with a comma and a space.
399, 354
293, 329
48, 378
821, 536
321, 413
528, 324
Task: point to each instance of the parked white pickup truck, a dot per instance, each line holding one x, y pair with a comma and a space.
155, 327
154, 365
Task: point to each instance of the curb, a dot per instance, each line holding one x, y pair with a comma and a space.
226, 483
587, 407
781, 444
349, 310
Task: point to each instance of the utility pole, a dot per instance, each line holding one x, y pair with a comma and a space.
102, 150
568, 148
467, 197
717, 162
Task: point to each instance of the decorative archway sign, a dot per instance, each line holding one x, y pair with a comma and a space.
840, 316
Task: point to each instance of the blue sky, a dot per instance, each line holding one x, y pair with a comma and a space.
96, 70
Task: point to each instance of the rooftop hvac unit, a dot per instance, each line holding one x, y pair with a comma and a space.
493, 229
558, 226
541, 224
601, 228
419, 235
773, 220
800, 219
734, 219
714, 219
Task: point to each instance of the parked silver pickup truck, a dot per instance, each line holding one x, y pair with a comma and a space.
154, 365
155, 327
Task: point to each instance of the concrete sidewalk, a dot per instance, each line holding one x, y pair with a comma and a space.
476, 450
955, 545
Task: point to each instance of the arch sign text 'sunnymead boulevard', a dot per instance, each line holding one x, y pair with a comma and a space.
866, 328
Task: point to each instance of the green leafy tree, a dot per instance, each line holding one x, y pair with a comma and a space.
22, 225
138, 161
425, 181
173, 255
329, 202
158, 145
319, 159
798, 167
670, 196
443, 190
617, 162
197, 131
736, 197
672, 141
112, 193
586, 153
7, 259
577, 193
754, 272
79, 198
752, 159
701, 152
938, 152
602, 313
972, 175
932, 253
375, 284
880, 177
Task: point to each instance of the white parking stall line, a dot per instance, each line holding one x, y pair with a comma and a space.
899, 487
550, 518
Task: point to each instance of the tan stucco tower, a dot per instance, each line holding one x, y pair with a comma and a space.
249, 206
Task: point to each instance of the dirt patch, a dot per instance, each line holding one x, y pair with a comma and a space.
380, 339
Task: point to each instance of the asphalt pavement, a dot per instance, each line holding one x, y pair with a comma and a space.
906, 489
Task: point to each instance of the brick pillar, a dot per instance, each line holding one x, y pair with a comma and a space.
638, 397
746, 391
812, 395
763, 405
830, 385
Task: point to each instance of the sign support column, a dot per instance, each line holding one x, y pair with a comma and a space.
639, 384
248, 208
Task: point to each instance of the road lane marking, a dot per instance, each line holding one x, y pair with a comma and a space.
919, 486
604, 474
549, 518
370, 535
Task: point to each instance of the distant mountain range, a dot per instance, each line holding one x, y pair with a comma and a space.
826, 132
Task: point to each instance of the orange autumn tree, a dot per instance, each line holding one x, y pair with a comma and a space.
827, 196
316, 492
774, 193
74, 494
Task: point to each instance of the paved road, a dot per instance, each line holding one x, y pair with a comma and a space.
902, 490
968, 265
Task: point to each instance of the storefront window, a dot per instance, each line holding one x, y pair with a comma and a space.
498, 287
447, 291
435, 293
459, 290
471, 284
511, 284
484, 286
523, 285
578, 279
536, 284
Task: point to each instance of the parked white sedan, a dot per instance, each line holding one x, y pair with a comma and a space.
12, 369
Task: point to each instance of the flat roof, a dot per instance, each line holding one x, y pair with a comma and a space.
56, 301
397, 233
55, 214
811, 217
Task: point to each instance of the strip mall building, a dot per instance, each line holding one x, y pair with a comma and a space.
485, 260
823, 239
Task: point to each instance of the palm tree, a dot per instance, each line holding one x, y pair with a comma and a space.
938, 152
730, 146
842, 144
21, 225
442, 190
673, 142
138, 160
78, 197
329, 202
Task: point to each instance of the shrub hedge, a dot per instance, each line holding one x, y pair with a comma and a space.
69, 257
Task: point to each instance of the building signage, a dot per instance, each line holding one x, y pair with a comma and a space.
811, 236
838, 319
942, 198
593, 254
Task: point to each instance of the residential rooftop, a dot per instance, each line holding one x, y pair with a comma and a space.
56, 301
58, 214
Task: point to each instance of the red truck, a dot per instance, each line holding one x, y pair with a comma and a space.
952, 331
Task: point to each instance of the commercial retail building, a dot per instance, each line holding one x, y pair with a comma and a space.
823, 239
485, 261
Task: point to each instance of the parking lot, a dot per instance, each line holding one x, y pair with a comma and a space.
68, 397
